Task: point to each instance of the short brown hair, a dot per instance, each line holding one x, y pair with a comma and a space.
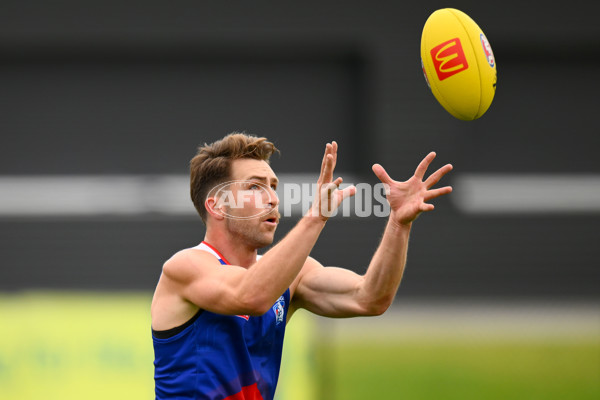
212, 163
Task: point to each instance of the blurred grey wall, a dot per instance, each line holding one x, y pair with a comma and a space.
132, 88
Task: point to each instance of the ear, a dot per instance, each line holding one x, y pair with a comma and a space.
213, 209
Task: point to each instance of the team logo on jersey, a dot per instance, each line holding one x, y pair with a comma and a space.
279, 310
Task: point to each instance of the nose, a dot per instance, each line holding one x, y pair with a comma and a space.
273, 199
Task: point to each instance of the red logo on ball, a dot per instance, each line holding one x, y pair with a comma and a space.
449, 58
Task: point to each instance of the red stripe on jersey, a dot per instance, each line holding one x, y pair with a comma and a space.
217, 251
248, 393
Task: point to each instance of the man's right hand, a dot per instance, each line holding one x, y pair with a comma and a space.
328, 196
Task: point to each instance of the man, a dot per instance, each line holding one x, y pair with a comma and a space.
219, 311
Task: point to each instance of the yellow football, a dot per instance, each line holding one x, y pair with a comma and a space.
458, 63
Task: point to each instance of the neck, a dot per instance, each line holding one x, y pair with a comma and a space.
235, 253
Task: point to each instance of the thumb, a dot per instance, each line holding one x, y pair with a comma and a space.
381, 174
348, 192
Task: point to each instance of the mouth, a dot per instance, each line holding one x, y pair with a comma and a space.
273, 219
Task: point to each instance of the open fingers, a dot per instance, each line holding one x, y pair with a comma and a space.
324, 162
332, 186
342, 193
348, 192
328, 163
437, 175
334, 149
381, 174
432, 194
423, 165
332, 163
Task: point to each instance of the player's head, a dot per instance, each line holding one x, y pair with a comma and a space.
216, 163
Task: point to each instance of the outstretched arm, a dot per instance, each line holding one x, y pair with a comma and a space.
195, 279
337, 292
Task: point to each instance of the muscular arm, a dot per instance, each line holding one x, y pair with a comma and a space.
336, 292
199, 278
194, 279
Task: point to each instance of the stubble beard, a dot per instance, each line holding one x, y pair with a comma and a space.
248, 233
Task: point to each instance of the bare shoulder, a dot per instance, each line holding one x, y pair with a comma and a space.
170, 307
188, 263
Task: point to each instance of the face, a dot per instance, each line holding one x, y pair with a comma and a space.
250, 203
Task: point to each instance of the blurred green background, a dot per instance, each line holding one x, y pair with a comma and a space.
495, 369
98, 346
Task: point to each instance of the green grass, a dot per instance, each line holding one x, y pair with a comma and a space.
436, 370
98, 346
75, 346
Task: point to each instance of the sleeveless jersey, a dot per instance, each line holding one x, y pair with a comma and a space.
221, 357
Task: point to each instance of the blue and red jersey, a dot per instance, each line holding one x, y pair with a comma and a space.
221, 357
